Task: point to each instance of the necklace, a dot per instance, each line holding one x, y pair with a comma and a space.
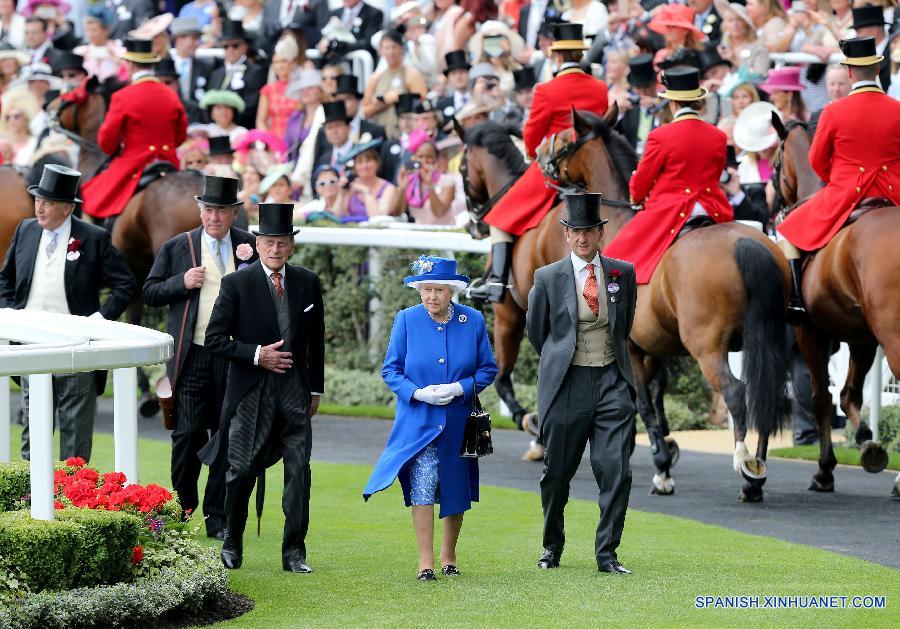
445, 321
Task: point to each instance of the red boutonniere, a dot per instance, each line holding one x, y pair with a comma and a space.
613, 287
73, 251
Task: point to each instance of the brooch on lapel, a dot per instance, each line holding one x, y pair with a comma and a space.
462, 318
73, 251
613, 287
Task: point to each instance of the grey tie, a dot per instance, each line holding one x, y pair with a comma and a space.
51, 246
217, 256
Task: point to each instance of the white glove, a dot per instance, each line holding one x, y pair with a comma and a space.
453, 389
431, 395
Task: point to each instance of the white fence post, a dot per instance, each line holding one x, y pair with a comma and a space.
5, 424
375, 264
125, 429
40, 430
877, 385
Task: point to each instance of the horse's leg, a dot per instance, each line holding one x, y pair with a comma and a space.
815, 345
647, 373
509, 329
873, 456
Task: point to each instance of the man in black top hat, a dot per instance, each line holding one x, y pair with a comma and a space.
238, 73
580, 312
713, 69
59, 263
220, 151
70, 67
269, 323
457, 93
338, 141
868, 21
640, 116
348, 91
186, 276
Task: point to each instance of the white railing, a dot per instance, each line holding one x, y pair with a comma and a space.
55, 343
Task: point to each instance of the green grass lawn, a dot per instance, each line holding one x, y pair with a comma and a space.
364, 556
844, 455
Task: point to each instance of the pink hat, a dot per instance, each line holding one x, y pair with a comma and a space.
786, 79
674, 15
61, 6
261, 140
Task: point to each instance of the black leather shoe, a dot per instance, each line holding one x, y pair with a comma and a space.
426, 575
297, 565
614, 567
548, 560
450, 570
232, 553
215, 528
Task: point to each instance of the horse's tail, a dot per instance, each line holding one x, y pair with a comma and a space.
766, 360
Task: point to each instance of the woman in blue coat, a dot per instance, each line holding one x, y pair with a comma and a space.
438, 358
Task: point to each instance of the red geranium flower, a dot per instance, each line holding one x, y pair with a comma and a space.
58, 505
615, 274
75, 461
137, 554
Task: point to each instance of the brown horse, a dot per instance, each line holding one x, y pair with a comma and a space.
15, 206
716, 290
851, 295
161, 210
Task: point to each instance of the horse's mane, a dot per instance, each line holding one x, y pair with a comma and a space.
623, 156
495, 139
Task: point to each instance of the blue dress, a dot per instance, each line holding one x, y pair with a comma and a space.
423, 352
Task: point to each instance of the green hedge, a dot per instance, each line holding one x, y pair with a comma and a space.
82, 547
888, 428
15, 482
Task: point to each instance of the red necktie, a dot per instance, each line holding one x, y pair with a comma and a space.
589, 291
276, 279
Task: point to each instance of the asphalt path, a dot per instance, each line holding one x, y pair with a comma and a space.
858, 519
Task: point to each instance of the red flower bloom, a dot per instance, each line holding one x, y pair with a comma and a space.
87, 474
137, 554
74, 245
58, 505
117, 478
615, 274
75, 461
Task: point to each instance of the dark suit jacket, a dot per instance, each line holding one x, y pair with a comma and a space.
255, 77
201, 71
165, 286
628, 125
885, 72
244, 318
311, 20
369, 22
99, 265
129, 15
552, 320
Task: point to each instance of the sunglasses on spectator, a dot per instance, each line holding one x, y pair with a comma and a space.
326, 182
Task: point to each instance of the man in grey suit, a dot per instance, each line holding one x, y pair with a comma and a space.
580, 312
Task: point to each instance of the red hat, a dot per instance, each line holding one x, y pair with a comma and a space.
674, 16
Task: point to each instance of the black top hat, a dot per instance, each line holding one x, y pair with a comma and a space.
456, 60
276, 219
68, 60
347, 84
423, 106
683, 57
406, 103
139, 51
336, 110
584, 210
220, 145
166, 67
219, 191
58, 183
860, 51
710, 58
683, 84
234, 29
524, 78
868, 15
641, 72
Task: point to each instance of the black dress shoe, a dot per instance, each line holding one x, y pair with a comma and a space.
232, 552
426, 575
613, 567
215, 528
450, 570
548, 560
297, 565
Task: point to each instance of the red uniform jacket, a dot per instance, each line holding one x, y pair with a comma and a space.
529, 200
147, 120
681, 166
856, 151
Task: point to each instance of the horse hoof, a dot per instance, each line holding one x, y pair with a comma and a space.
674, 451
530, 424
872, 456
863, 434
751, 493
534, 453
148, 406
662, 485
754, 471
821, 487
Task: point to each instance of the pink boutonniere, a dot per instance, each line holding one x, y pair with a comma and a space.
244, 251
73, 251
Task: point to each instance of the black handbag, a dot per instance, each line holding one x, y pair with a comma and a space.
477, 435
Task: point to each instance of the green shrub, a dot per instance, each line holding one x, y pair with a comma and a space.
15, 482
107, 539
888, 428
47, 552
12, 583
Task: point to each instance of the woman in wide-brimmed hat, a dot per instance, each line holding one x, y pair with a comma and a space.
675, 22
368, 195
497, 44
785, 92
223, 107
739, 42
102, 56
11, 62
742, 95
439, 357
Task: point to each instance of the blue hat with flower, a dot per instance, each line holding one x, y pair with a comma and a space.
434, 270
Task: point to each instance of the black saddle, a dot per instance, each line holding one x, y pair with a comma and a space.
154, 171
869, 203
695, 222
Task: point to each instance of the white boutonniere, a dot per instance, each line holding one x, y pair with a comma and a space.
201, 81
365, 138
357, 22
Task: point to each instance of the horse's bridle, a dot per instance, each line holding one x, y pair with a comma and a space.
73, 135
556, 169
479, 210
778, 168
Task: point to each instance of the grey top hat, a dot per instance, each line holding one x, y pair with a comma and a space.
185, 26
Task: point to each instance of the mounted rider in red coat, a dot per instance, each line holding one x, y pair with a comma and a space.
145, 123
676, 179
528, 201
856, 152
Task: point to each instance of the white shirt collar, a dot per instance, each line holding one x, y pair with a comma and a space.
242, 62
226, 244
140, 74
343, 149
860, 84
579, 265
685, 110
64, 228
270, 271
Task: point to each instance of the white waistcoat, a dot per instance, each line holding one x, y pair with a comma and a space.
212, 280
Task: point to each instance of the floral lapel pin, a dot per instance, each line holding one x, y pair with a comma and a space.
243, 252
462, 318
613, 287
73, 251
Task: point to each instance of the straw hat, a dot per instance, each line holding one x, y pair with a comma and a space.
753, 129
496, 28
738, 9
153, 27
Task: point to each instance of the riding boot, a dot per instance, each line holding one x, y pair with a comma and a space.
493, 289
795, 306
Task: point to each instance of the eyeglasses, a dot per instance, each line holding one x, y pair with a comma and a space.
326, 182
233, 44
